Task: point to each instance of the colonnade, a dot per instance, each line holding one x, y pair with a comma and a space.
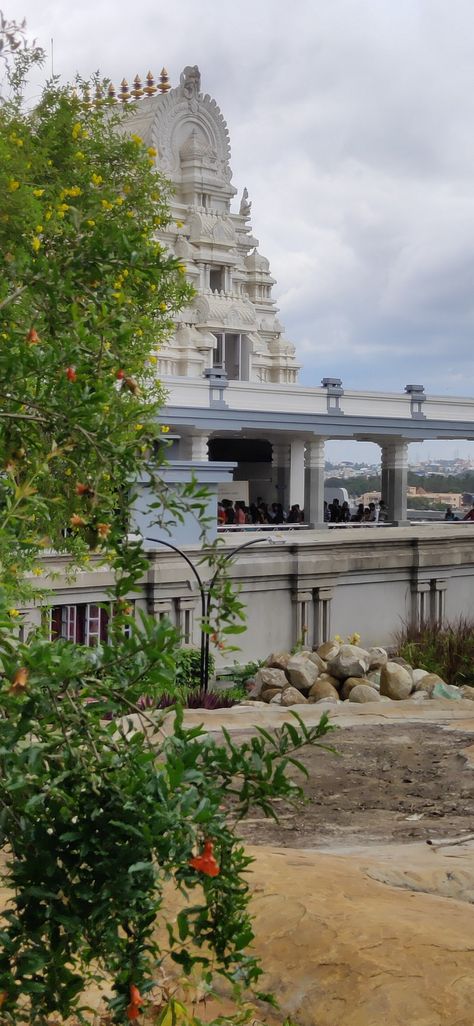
297, 472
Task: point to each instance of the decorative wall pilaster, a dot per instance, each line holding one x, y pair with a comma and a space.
395, 479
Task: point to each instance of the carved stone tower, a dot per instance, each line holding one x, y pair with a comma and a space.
232, 321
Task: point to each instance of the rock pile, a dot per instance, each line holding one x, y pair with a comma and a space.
346, 673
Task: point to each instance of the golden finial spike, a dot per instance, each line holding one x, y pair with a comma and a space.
150, 87
99, 95
124, 94
111, 93
165, 84
137, 90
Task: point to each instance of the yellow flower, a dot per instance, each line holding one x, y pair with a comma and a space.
163, 307
48, 215
119, 201
36, 243
179, 224
96, 179
181, 269
164, 429
137, 139
37, 570
13, 185
152, 152
68, 471
38, 192
79, 155
91, 223
106, 477
152, 359
106, 205
138, 427
152, 287
14, 612
39, 227
76, 130
118, 296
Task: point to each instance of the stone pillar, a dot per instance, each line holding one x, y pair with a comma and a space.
281, 472
296, 473
314, 483
394, 480
194, 447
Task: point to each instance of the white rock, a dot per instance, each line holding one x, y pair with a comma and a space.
363, 693
378, 658
396, 682
350, 661
301, 671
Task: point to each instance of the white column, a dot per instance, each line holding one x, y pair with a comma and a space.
314, 483
296, 473
194, 447
394, 479
281, 471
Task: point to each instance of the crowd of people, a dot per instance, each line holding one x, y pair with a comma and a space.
340, 513
238, 514
259, 512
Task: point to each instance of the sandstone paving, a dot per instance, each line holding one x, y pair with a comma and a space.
369, 937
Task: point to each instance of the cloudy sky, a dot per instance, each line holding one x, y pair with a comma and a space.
352, 126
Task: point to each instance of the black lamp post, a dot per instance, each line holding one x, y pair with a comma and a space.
205, 591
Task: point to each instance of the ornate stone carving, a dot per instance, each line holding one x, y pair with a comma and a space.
245, 204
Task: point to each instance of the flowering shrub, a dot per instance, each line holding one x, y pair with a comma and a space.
100, 805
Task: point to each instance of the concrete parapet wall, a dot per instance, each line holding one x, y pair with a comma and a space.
312, 585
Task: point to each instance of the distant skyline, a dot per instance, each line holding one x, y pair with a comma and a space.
351, 124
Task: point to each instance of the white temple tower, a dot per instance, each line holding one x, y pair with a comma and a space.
232, 322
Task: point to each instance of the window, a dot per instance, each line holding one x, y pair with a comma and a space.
85, 623
217, 279
233, 354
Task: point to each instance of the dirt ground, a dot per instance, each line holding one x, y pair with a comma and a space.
402, 783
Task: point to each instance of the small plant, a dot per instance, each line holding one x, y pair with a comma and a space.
447, 651
241, 673
352, 639
188, 668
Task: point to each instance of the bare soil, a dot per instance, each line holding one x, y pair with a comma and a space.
400, 783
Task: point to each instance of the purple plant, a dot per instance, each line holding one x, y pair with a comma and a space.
195, 699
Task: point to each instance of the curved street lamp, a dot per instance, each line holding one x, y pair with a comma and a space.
205, 591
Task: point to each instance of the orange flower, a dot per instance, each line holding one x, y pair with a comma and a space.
120, 374
205, 862
77, 521
32, 337
71, 373
19, 681
136, 1001
84, 489
103, 530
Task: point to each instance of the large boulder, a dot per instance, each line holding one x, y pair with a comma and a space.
418, 675
291, 696
322, 689
396, 681
427, 682
269, 694
328, 650
350, 661
278, 660
337, 684
268, 677
350, 683
364, 693
318, 662
378, 658
301, 671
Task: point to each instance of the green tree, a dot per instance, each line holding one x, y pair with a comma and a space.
99, 804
